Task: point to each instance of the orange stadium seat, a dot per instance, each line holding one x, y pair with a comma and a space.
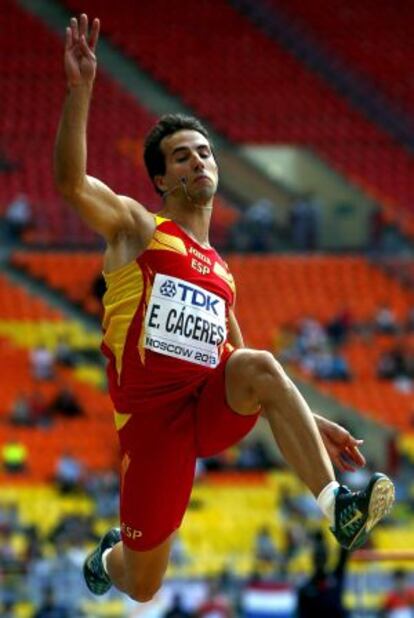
72, 273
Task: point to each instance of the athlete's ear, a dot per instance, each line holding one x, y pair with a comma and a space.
160, 183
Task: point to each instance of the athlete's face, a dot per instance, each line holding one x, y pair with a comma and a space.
189, 161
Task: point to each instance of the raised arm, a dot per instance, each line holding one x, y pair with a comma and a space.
103, 210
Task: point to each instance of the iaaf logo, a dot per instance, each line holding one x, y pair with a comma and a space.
187, 293
168, 289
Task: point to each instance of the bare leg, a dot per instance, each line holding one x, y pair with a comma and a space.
255, 378
138, 573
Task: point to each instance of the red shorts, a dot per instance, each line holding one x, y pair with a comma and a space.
159, 447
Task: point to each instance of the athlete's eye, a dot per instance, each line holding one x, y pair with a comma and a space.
204, 152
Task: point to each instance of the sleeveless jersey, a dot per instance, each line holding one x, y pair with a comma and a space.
165, 318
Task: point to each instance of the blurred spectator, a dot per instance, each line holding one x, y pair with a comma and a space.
300, 506
311, 335
217, 603
33, 550
69, 473
252, 456
9, 518
313, 351
7, 164
42, 363
391, 363
397, 364
50, 609
177, 609
30, 410
295, 541
104, 489
331, 366
265, 549
304, 222
18, 216
14, 456
21, 412
72, 529
64, 354
8, 555
399, 602
255, 230
40, 409
8, 609
260, 219
385, 320
321, 595
66, 403
338, 328
179, 556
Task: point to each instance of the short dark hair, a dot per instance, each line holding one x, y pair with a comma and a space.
167, 125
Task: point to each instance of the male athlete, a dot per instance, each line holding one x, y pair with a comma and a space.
181, 382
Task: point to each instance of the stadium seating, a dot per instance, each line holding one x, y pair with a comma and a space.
71, 273
91, 437
26, 322
254, 91
369, 38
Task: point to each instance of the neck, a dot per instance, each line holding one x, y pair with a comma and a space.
194, 219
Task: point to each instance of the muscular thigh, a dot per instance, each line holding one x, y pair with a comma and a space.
217, 424
157, 466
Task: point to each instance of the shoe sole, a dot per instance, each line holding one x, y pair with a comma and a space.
380, 504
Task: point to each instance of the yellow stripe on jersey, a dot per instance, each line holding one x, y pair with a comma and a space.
141, 338
225, 274
121, 419
120, 301
167, 242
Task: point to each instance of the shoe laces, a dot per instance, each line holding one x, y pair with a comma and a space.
345, 517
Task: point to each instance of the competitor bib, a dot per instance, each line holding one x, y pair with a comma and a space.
185, 321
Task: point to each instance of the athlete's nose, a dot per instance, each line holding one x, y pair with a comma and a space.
197, 162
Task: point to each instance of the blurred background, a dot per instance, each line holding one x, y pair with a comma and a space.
310, 108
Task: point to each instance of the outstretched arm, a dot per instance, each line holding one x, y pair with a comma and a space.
103, 210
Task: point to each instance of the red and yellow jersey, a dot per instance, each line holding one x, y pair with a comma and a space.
165, 318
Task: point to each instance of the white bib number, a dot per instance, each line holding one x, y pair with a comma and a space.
185, 321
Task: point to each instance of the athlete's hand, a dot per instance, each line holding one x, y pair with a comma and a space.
342, 447
80, 59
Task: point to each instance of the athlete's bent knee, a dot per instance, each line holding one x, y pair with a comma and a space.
142, 592
268, 373
264, 363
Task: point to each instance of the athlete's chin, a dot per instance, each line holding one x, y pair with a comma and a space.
203, 197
